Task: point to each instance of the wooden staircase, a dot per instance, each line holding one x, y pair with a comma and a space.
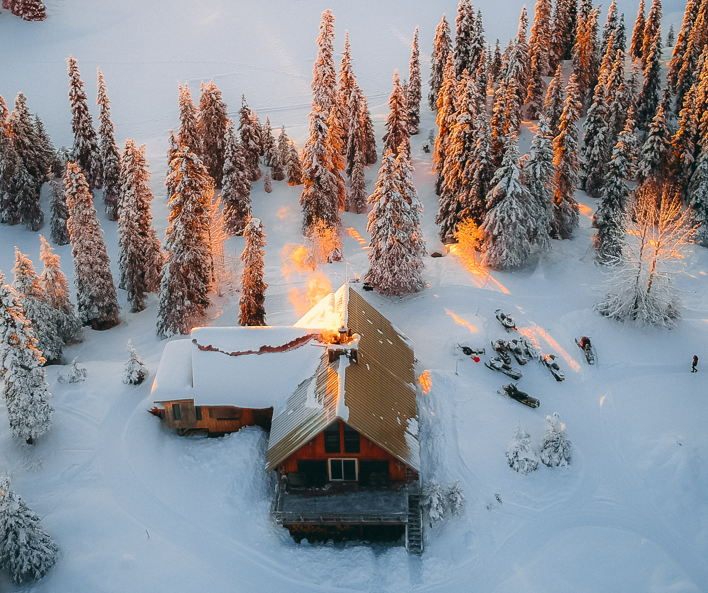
414, 527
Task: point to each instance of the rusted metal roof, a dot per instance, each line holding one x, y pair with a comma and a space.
376, 396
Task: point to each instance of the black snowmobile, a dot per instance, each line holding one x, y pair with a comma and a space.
512, 391
502, 351
519, 350
549, 361
586, 346
506, 320
467, 351
497, 364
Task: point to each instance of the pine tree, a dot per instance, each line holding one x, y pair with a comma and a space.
482, 163
464, 27
616, 91
96, 294
109, 155
585, 66
268, 142
683, 142
537, 175
188, 133
32, 10
347, 87
554, 102
496, 66
442, 48
26, 549
55, 291
648, 99
336, 158
520, 456
539, 45
38, 312
564, 21
250, 142
414, 83
698, 198
24, 387
47, 159
171, 152
597, 139
188, 267
397, 130
77, 373
610, 29
507, 224
499, 123
324, 81
140, 258
211, 128
277, 164
85, 151
236, 185
689, 67
135, 370
677, 57
58, 231
670, 36
397, 247
445, 120
296, 176
636, 46
268, 183
652, 31
370, 153
355, 158
519, 64
252, 303
654, 158
555, 445
565, 160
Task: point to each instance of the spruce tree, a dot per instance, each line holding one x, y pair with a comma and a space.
277, 164
140, 258
370, 153
564, 19
236, 185
47, 159
637, 43
585, 66
252, 302
96, 294
26, 549
464, 28
296, 176
482, 163
397, 129
109, 155
698, 198
499, 123
24, 387
336, 158
188, 267
55, 291
554, 102
188, 133
395, 258
212, 129
38, 312
496, 66
597, 142
610, 29
670, 36
652, 31
537, 175
58, 231
648, 99
508, 222
519, 63
413, 95
683, 142
171, 152
689, 68
539, 45
442, 47
445, 120
565, 160
616, 91
85, 151
250, 141
347, 87
355, 158
324, 81
654, 157
677, 57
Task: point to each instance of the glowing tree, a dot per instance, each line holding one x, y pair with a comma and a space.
445, 120
442, 47
636, 45
110, 157
690, 68
252, 303
554, 102
212, 129
677, 57
610, 29
648, 99
652, 31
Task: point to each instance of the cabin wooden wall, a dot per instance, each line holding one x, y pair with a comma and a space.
368, 451
215, 420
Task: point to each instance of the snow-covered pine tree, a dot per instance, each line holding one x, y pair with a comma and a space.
677, 57
537, 175
442, 47
518, 65
540, 45
563, 36
336, 154
140, 258
520, 456
250, 141
433, 502
370, 153
296, 176
277, 164
211, 128
46, 154
32, 10
268, 183
188, 268
236, 185
414, 83
555, 445
55, 291
135, 370
96, 294
683, 143
171, 152
77, 373
477, 51
355, 158
597, 142
689, 69
57, 205
698, 198
26, 549
255, 122
109, 154
447, 98
652, 31
188, 133
253, 287
17, 186
654, 158
324, 81
24, 387
554, 102
585, 66
268, 142
498, 123
39, 313
648, 99
610, 29
635, 47
397, 247
482, 162
565, 160
85, 151
508, 225
616, 91
670, 36
464, 26
397, 132
347, 86
456, 501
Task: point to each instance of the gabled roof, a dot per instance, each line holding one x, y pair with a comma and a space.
376, 396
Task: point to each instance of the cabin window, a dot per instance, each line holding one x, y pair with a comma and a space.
351, 440
176, 413
331, 438
198, 411
343, 470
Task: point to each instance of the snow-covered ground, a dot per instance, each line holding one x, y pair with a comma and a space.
136, 508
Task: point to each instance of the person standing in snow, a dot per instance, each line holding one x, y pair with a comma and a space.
695, 364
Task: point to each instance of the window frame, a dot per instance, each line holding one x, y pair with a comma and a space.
343, 459
176, 413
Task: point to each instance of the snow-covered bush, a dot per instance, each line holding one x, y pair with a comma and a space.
456, 498
135, 370
77, 373
26, 550
440, 501
555, 445
323, 244
521, 457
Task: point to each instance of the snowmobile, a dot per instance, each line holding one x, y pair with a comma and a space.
529, 348
473, 353
586, 346
506, 320
512, 391
549, 360
501, 349
519, 350
497, 364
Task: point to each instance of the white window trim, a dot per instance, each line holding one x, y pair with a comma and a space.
356, 468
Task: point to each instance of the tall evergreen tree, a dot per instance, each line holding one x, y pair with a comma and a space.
171, 152
140, 257
236, 184
495, 69
670, 36
610, 29
188, 268
324, 81
445, 120
654, 158
554, 102
637, 43
211, 128
355, 157
683, 142
477, 49
109, 155
537, 175
499, 123
85, 151
597, 142
565, 160
482, 163
539, 45
58, 231
188, 133
698, 198
616, 91
564, 19
397, 131
464, 28
413, 95
47, 160
24, 387
250, 141
252, 303
96, 294
689, 67
677, 57
268, 142
442, 47
584, 53
648, 99
347, 87
370, 154
652, 31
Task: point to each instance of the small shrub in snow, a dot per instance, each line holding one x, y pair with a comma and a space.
26, 550
520, 455
555, 446
456, 498
77, 374
135, 370
433, 502
268, 183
